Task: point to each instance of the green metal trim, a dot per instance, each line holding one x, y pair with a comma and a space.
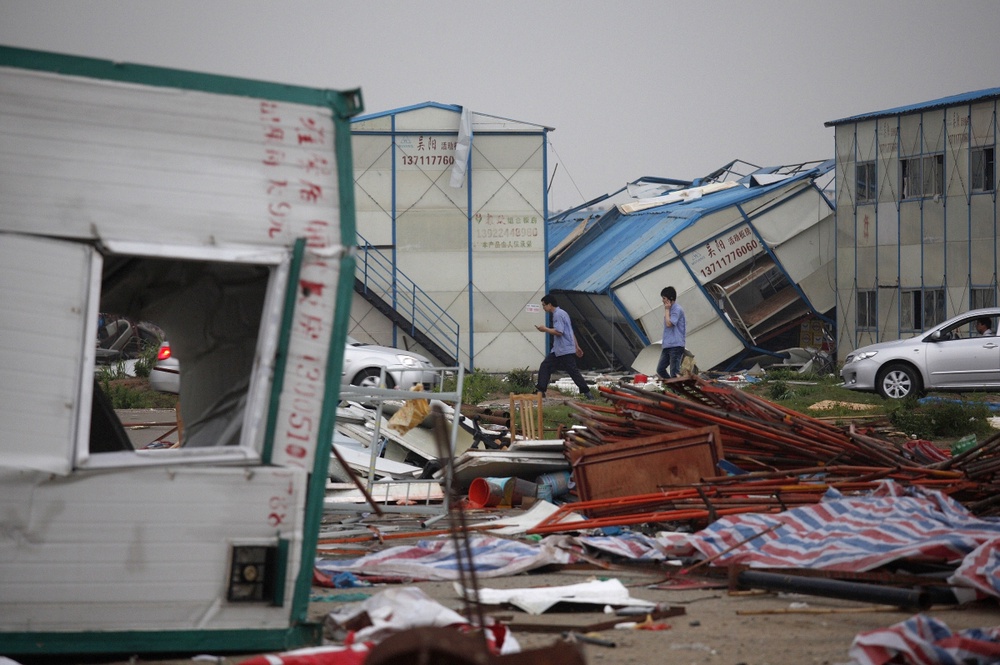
334, 368
281, 572
163, 641
281, 353
344, 104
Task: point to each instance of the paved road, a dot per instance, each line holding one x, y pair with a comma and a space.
145, 426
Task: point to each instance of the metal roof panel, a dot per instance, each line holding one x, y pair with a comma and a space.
616, 241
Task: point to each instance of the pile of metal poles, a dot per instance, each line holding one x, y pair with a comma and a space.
776, 458
755, 432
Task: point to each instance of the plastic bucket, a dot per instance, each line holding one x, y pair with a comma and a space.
487, 492
558, 482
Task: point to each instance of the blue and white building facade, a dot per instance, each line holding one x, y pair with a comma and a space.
916, 198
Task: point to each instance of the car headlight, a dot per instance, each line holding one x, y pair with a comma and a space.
864, 355
408, 361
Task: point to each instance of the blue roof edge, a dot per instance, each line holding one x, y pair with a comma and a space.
455, 108
952, 100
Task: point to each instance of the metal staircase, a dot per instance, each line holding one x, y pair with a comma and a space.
404, 303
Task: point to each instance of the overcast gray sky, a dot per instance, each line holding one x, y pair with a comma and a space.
632, 88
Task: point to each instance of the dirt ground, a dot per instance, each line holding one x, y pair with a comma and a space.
716, 627
713, 626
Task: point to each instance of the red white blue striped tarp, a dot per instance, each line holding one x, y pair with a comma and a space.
922, 640
861, 533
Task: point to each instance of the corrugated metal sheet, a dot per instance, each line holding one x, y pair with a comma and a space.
613, 245
943, 102
616, 242
560, 228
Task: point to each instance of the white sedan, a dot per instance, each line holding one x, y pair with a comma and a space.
363, 365
165, 375
953, 356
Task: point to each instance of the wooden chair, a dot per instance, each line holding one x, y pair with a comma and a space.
525, 416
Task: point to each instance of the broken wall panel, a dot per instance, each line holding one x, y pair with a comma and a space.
646, 465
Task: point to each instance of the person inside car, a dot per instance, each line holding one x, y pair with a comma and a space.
984, 327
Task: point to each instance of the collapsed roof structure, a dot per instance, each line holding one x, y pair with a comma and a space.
750, 251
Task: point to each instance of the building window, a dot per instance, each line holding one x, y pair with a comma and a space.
921, 177
982, 297
983, 174
867, 311
920, 309
867, 188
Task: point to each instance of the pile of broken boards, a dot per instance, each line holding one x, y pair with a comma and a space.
401, 465
691, 453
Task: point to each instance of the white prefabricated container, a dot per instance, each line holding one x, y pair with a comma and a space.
221, 210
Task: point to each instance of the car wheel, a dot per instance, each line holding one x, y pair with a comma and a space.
368, 378
898, 381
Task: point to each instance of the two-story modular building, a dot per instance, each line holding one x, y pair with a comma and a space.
916, 200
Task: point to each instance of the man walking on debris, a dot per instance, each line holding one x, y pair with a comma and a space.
674, 335
565, 349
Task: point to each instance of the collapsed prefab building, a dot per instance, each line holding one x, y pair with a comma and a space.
750, 254
220, 210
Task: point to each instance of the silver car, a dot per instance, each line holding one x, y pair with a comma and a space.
363, 365
165, 376
952, 356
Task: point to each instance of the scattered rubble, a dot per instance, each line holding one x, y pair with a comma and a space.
713, 487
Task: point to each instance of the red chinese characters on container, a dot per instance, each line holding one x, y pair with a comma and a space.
298, 194
306, 382
278, 506
285, 192
309, 132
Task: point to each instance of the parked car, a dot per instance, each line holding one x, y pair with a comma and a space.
363, 365
165, 375
951, 356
